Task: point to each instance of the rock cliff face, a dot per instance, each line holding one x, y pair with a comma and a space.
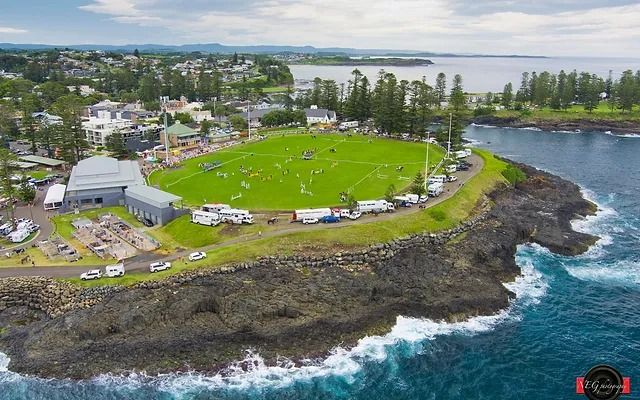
294, 307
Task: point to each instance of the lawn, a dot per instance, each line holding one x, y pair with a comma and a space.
279, 179
182, 233
602, 112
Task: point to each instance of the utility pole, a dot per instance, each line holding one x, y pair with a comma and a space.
449, 142
249, 118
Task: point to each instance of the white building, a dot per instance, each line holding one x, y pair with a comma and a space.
317, 115
97, 130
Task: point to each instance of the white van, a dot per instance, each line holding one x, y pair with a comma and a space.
113, 271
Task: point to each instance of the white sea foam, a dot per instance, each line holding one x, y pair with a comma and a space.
622, 272
598, 224
4, 362
626, 135
252, 372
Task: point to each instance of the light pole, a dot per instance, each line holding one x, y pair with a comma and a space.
426, 164
449, 142
163, 103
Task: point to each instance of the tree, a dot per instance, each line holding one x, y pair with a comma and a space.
234, 59
26, 192
390, 193
183, 117
8, 162
205, 127
507, 96
136, 53
441, 87
115, 144
29, 105
417, 187
522, 95
457, 99
625, 90
238, 122
70, 138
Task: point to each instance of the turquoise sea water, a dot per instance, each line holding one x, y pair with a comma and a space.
571, 313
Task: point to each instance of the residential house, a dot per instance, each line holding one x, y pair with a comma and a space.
317, 115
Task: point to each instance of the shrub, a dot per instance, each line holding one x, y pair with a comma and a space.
514, 174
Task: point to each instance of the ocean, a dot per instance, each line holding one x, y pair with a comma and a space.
479, 75
570, 314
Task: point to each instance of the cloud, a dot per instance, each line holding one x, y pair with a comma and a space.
9, 30
551, 27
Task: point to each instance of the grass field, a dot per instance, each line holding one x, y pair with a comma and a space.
282, 180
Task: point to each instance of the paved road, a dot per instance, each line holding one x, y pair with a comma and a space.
140, 263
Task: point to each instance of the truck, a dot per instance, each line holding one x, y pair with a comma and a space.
435, 189
236, 216
205, 218
114, 271
375, 206
402, 201
299, 215
215, 208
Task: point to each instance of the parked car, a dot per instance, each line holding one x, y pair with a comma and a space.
309, 220
452, 178
147, 222
355, 215
198, 255
330, 219
159, 266
90, 275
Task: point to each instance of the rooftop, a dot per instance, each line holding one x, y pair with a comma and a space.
179, 130
100, 172
151, 195
51, 162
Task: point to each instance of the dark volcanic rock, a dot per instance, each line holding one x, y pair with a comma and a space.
584, 125
301, 306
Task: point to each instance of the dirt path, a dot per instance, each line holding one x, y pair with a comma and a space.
140, 263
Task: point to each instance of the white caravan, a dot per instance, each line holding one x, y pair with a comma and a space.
205, 218
215, 208
113, 271
19, 235
435, 189
236, 216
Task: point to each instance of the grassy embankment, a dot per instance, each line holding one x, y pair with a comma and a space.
443, 216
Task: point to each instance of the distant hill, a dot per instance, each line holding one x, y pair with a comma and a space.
259, 49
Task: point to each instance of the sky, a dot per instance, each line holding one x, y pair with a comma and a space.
532, 27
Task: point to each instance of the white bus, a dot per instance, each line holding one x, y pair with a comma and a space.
205, 218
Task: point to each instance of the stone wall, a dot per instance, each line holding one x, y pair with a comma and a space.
57, 297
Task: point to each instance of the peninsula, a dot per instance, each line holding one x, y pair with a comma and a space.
293, 306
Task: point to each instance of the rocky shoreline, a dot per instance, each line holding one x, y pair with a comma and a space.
578, 125
294, 307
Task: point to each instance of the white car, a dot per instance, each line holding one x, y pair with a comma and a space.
355, 215
198, 255
452, 178
90, 275
159, 266
308, 220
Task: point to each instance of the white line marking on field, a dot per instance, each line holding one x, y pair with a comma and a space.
202, 172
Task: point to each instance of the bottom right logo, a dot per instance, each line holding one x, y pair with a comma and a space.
603, 382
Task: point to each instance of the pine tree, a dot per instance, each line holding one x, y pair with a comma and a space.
507, 96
